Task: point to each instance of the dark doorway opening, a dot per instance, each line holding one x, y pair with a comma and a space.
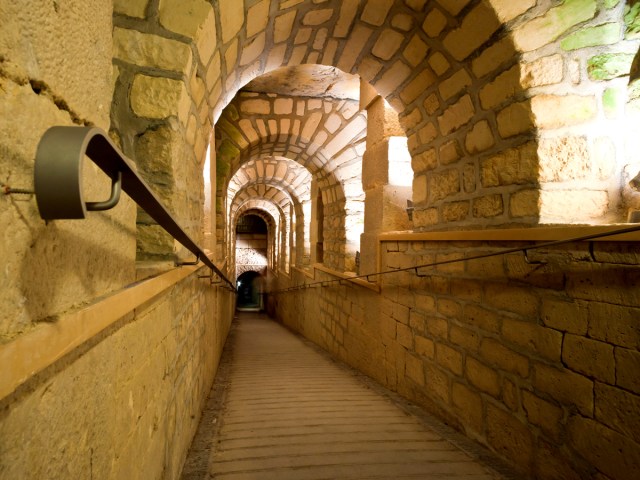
250, 291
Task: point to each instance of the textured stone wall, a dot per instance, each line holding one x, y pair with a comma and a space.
537, 361
127, 404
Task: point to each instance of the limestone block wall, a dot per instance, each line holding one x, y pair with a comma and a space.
537, 361
127, 403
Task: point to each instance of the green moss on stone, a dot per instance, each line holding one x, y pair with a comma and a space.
609, 65
606, 34
611, 3
611, 99
632, 19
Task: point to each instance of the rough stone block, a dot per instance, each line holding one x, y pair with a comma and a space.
157, 97
589, 357
515, 119
482, 376
375, 11
449, 358
504, 358
434, 23
609, 65
443, 184
455, 84
614, 324
543, 71
479, 138
618, 410
456, 116
488, 206
502, 88
493, 57
532, 337
524, 203
564, 386
475, 29
543, 414
627, 368
131, 8
513, 166
553, 111
415, 51
571, 317
468, 405
184, 17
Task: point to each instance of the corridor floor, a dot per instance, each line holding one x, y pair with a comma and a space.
281, 409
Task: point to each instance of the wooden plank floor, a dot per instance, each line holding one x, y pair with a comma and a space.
280, 409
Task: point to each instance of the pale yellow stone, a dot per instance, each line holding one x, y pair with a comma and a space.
476, 28
553, 111
434, 23
427, 160
253, 50
231, 56
564, 158
258, 17
348, 9
449, 153
515, 119
298, 54
329, 54
420, 189
455, 84
289, 3
456, 115
417, 86
443, 184
507, 10
311, 125
213, 72
569, 206
320, 40
303, 36
276, 56
198, 89
247, 129
493, 57
369, 68
283, 106
157, 97
392, 78
515, 166
255, 107
431, 104
149, 50
480, 138
184, 16
543, 71
317, 17
231, 18
504, 87
415, 51
282, 26
353, 47
427, 133
488, 206
439, 63
375, 11
206, 39
387, 44
131, 8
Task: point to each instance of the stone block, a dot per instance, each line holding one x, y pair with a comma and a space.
524, 203
157, 97
439, 63
564, 159
537, 339
482, 376
468, 405
546, 28
414, 369
481, 317
387, 45
553, 111
404, 335
479, 138
317, 17
424, 347
605, 34
449, 152
437, 383
571, 317
375, 11
258, 17
346, 16
614, 324
618, 409
131, 8
353, 47
609, 65
252, 50
515, 119
464, 337
504, 87
455, 211
434, 23
184, 17
507, 10
417, 86
565, 206
509, 436
437, 327
495, 353
476, 28
544, 414
610, 452
443, 184
589, 357
627, 368
493, 57
513, 166
565, 386
488, 206
431, 104
424, 161
456, 116
283, 25
543, 71
455, 84
449, 358
415, 51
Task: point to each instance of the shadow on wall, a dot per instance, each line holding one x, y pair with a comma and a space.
250, 287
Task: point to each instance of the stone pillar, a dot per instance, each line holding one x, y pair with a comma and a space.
386, 176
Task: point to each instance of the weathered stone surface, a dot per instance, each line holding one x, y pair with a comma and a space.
565, 387
488, 206
609, 65
184, 17
605, 34
476, 28
258, 17
148, 50
443, 184
434, 23
456, 115
480, 138
131, 8
514, 166
387, 44
157, 97
231, 18
589, 357
375, 11
515, 119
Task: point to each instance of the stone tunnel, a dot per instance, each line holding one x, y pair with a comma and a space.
425, 192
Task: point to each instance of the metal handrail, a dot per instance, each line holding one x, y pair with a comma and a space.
417, 272
58, 182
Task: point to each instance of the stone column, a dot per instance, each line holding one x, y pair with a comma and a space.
386, 176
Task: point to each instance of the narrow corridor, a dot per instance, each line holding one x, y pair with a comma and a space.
280, 409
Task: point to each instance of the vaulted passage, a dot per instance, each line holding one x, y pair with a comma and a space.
281, 409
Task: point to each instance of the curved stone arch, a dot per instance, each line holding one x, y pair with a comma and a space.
272, 216
471, 80
285, 205
250, 208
